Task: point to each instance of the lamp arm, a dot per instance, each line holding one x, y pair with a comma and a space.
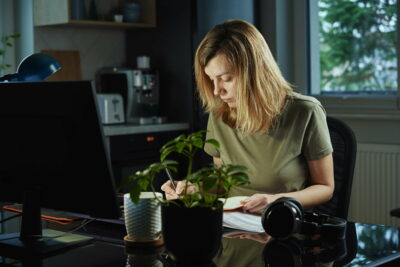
9, 78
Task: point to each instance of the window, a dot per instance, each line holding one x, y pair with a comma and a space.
16, 22
355, 47
7, 44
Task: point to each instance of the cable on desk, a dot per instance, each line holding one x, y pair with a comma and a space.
11, 217
83, 224
16, 208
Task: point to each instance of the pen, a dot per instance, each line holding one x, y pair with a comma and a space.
170, 178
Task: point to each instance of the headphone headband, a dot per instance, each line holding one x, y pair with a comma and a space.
285, 217
329, 227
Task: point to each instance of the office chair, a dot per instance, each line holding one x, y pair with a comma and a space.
344, 157
395, 212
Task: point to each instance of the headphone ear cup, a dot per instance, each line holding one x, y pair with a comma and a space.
282, 218
295, 202
288, 200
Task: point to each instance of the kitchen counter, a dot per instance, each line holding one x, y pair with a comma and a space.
125, 129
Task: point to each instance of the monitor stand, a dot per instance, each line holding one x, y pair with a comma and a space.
32, 241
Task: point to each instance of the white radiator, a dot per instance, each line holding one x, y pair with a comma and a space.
376, 184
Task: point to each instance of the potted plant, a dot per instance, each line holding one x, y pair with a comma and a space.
192, 224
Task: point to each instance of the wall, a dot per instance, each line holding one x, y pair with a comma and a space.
210, 13
170, 47
98, 47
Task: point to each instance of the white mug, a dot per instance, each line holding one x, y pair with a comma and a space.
118, 17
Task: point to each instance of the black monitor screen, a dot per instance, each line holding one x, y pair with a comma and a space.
51, 140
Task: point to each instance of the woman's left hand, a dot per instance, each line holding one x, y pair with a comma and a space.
257, 202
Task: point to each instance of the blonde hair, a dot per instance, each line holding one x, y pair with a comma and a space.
261, 89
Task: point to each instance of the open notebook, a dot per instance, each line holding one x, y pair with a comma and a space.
234, 217
233, 203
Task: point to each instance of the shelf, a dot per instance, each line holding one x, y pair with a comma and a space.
57, 13
124, 129
100, 24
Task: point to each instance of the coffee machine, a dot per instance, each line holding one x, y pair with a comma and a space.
139, 89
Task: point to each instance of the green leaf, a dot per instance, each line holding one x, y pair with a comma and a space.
143, 183
196, 196
180, 147
236, 168
135, 195
166, 151
240, 179
168, 144
213, 142
198, 143
209, 183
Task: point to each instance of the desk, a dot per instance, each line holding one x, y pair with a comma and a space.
367, 245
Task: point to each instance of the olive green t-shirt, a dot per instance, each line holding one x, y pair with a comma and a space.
276, 160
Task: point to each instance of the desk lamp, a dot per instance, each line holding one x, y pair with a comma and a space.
33, 68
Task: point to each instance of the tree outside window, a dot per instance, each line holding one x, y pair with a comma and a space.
357, 41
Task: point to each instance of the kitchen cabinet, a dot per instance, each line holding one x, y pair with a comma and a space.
133, 147
59, 13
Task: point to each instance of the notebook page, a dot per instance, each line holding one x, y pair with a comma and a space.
243, 221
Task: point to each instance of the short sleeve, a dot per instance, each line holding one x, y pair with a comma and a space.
317, 142
210, 149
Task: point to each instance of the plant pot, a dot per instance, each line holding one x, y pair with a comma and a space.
144, 257
143, 221
191, 234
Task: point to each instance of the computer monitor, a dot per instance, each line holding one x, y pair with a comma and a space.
52, 155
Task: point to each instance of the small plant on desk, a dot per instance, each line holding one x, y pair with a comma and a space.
211, 182
199, 212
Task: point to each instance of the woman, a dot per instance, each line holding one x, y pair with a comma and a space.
279, 135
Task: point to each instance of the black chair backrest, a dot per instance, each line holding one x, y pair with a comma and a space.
344, 156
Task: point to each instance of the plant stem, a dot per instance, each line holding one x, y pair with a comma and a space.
155, 195
218, 184
189, 169
190, 163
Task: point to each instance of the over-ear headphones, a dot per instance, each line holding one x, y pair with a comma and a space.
285, 217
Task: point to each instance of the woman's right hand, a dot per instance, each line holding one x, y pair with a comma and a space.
171, 193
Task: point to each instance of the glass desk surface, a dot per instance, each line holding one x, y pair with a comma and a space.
365, 245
